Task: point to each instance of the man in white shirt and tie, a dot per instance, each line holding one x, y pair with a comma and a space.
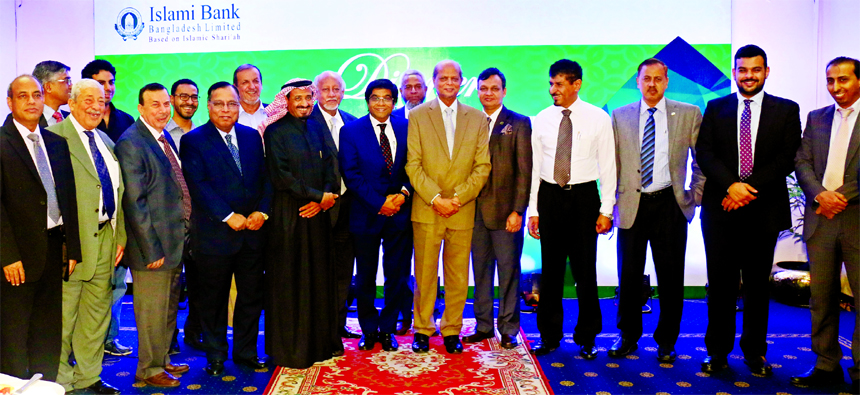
249, 81
55, 79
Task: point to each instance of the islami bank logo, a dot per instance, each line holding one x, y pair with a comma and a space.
128, 23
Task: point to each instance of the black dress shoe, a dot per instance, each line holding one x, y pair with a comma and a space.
453, 345
509, 342
100, 387
622, 347
588, 351
759, 365
346, 334
817, 378
713, 364
543, 348
420, 343
367, 342
666, 354
389, 343
403, 327
478, 337
214, 368
338, 351
253, 363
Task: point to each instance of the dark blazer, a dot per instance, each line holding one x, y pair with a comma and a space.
24, 217
400, 112
154, 221
366, 175
317, 123
776, 144
217, 187
811, 161
507, 188
120, 121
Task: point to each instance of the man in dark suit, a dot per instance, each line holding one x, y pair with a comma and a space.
38, 216
115, 121
413, 90
327, 119
746, 148
224, 165
497, 240
373, 159
55, 80
157, 209
654, 137
827, 170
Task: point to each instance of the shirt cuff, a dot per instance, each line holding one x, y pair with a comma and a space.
434, 198
227, 218
404, 191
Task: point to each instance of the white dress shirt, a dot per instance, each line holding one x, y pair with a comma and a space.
449, 136
755, 115
157, 135
592, 154
335, 134
111, 164
252, 120
48, 113
389, 132
661, 177
493, 117
31, 148
837, 120
405, 111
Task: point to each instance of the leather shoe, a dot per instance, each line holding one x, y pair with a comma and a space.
403, 327
453, 345
759, 365
666, 354
176, 369
389, 343
420, 342
817, 378
588, 351
100, 387
338, 352
346, 334
162, 379
713, 364
478, 337
622, 347
253, 363
543, 348
509, 342
367, 342
214, 368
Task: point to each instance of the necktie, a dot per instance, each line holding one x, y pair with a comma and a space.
335, 131
449, 131
561, 172
234, 151
47, 178
58, 116
174, 164
490, 125
746, 142
835, 170
104, 176
647, 155
386, 147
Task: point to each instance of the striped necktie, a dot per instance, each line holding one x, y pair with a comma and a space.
647, 156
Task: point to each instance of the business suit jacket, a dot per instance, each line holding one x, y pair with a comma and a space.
776, 145
431, 171
88, 195
317, 123
366, 175
811, 161
400, 112
217, 187
508, 185
152, 201
683, 121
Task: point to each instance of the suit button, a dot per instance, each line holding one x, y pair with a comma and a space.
98, 186
42, 203
97, 210
638, 190
638, 171
95, 235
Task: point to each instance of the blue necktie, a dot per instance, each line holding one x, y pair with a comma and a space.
104, 176
47, 178
647, 156
234, 151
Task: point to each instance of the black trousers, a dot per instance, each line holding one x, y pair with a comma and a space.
343, 244
192, 322
660, 222
396, 265
494, 250
31, 319
568, 218
214, 292
737, 251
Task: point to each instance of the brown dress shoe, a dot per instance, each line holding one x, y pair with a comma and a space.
176, 369
509, 342
162, 379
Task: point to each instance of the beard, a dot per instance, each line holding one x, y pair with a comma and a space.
412, 104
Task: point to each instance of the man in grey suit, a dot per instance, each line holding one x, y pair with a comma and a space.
654, 137
157, 208
497, 239
827, 170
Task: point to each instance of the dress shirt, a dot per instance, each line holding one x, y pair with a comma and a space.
235, 142
157, 135
29, 144
493, 117
661, 177
405, 111
252, 120
335, 132
110, 162
48, 113
389, 132
837, 120
755, 115
176, 132
453, 106
592, 154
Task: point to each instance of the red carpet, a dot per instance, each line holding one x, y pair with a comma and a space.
482, 368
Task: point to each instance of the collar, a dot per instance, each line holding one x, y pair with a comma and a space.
77, 125
173, 125
443, 106
855, 106
24, 131
757, 99
155, 133
661, 106
328, 116
232, 131
375, 122
242, 109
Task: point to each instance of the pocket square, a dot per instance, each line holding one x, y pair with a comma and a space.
508, 129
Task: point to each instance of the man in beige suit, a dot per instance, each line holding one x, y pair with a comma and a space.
448, 163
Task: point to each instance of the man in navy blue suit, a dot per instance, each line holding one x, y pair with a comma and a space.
225, 169
372, 160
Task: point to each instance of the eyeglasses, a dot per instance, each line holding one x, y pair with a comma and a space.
384, 99
187, 97
67, 81
219, 105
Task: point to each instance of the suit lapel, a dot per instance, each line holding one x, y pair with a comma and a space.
764, 122
853, 143
20, 147
76, 146
214, 137
157, 149
672, 126
460, 130
400, 135
439, 126
501, 122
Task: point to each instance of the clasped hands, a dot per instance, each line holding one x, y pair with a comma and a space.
830, 203
740, 194
313, 208
445, 207
392, 204
239, 222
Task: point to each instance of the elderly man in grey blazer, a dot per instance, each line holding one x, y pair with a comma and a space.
654, 137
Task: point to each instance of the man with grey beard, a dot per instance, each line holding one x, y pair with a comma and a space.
413, 90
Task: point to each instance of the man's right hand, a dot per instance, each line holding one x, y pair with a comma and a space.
328, 200
389, 208
742, 193
155, 265
445, 207
534, 231
830, 203
237, 222
14, 273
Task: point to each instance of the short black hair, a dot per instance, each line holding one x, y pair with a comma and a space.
845, 59
749, 51
491, 72
571, 70
95, 67
150, 87
219, 85
184, 81
244, 67
652, 61
382, 83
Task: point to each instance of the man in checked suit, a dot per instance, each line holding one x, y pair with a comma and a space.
654, 137
448, 164
746, 148
497, 241
827, 170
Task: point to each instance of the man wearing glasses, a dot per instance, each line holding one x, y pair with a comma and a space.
55, 79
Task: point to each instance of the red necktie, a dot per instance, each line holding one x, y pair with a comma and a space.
186, 198
58, 116
386, 147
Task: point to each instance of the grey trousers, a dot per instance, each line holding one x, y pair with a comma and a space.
156, 297
492, 249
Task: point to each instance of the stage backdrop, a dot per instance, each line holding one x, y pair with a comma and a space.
161, 41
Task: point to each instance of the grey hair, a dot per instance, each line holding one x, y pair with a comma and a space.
9, 90
48, 70
411, 72
83, 84
329, 74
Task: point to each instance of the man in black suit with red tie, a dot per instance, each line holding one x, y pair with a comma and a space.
746, 148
